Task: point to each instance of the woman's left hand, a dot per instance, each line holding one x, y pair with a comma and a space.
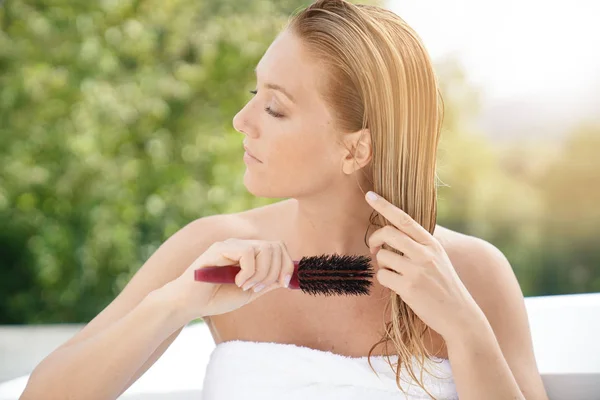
424, 277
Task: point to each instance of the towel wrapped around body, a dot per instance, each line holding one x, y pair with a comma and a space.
268, 371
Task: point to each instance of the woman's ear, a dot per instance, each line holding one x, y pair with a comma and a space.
358, 151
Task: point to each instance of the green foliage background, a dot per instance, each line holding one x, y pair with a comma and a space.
115, 131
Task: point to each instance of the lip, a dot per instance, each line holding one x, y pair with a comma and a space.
250, 154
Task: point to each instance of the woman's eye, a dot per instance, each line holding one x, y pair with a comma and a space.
273, 113
268, 109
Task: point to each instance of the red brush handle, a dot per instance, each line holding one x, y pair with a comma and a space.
227, 274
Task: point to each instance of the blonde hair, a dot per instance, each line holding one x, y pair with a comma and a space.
379, 76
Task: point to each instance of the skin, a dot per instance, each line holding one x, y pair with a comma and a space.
471, 298
473, 294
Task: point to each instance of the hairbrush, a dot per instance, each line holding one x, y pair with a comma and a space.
326, 275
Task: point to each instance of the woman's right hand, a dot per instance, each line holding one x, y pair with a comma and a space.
264, 267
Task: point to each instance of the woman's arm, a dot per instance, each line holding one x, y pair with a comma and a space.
102, 365
466, 291
479, 367
504, 339
112, 351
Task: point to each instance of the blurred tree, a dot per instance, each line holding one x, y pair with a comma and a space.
569, 252
476, 195
115, 132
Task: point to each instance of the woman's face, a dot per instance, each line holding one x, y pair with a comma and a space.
288, 127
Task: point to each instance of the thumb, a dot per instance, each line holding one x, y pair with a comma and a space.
270, 288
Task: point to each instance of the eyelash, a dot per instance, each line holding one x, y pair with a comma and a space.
268, 109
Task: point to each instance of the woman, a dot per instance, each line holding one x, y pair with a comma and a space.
346, 102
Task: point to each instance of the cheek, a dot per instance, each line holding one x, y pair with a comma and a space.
309, 155
307, 162
307, 150
297, 161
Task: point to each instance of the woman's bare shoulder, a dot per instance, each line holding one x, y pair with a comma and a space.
483, 269
264, 222
473, 258
206, 230
465, 251
251, 223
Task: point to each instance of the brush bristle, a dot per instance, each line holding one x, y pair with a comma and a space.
332, 275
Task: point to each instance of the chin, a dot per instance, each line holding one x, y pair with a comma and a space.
272, 187
285, 185
260, 187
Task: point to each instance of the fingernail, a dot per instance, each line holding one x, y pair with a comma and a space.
258, 288
371, 195
287, 280
248, 286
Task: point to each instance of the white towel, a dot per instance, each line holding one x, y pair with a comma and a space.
268, 371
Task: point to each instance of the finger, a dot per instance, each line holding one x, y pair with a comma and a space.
245, 257
272, 286
256, 295
219, 254
287, 266
263, 261
391, 280
398, 240
400, 219
274, 269
389, 260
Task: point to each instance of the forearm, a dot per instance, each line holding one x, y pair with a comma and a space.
479, 368
100, 367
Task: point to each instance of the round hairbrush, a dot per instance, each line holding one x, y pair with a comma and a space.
327, 275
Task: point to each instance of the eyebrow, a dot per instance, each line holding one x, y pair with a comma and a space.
274, 86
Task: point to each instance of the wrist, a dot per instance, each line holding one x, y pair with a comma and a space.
172, 303
472, 329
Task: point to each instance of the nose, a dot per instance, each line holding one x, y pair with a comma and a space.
242, 122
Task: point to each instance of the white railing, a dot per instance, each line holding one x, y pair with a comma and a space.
565, 330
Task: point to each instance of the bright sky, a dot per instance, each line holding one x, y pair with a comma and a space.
513, 47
